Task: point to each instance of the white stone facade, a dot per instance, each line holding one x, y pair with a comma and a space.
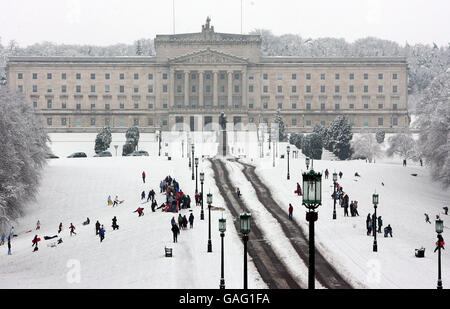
195, 77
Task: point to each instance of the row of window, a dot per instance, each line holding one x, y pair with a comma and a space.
237, 76
337, 89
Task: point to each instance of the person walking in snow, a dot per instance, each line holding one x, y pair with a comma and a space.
140, 211
388, 231
380, 224
2, 241
175, 232
291, 209
404, 162
142, 195
154, 205
191, 220
172, 221
38, 225
445, 210
143, 176
97, 227
60, 227
369, 224
9, 245
11, 232
346, 209
151, 195
114, 224
101, 233
238, 192
427, 218
72, 229
326, 174
35, 243
180, 221
299, 190
185, 222
340, 174
355, 208
116, 201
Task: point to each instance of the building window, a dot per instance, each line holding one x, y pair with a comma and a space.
63, 88
280, 89
308, 106
294, 76
121, 76
366, 76
78, 88
107, 122
308, 76
351, 89
366, 88
35, 76
49, 103
121, 88
308, 89
107, 88
366, 106
294, 121
280, 105
78, 76
136, 76
107, 75
19, 75
150, 104
265, 105
165, 88
308, 122
352, 76
136, 89
265, 76
380, 75
322, 106
322, 88
394, 76
251, 103
49, 88
207, 76
64, 104
280, 76
63, 76
49, 121
165, 103
193, 89
92, 75
164, 121
380, 121
294, 89
395, 121
351, 106
380, 105
136, 104
150, 122
380, 89
322, 76
336, 76
337, 106
107, 106
92, 88
336, 89
63, 121
294, 105
49, 75
35, 104
208, 89
236, 88
92, 105
366, 122
35, 89
265, 89
78, 106
193, 76
251, 77
92, 121
394, 89
122, 105
222, 75
150, 88
250, 88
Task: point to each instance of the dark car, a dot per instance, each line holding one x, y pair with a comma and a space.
78, 155
139, 153
103, 154
51, 156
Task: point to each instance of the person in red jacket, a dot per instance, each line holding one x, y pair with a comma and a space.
143, 176
291, 209
140, 211
72, 229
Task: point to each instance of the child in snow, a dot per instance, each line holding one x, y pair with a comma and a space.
380, 224
238, 192
38, 225
388, 231
116, 201
110, 202
72, 229
445, 209
87, 221
140, 211
35, 243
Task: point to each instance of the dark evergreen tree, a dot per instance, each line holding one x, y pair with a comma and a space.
339, 135
312, 146
103, 140
282, 136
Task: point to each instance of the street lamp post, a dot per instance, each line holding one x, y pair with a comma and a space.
222, 229
307, 163
334, 194
209, 223
288, 149
439, 230
312, 198
245, 230
160, 136
202, 179
374, 223
193, 148
196, 175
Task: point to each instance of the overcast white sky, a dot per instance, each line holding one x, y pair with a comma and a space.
104, 22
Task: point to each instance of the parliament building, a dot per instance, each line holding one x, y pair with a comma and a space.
194, 77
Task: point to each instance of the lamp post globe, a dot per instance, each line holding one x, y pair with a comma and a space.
307, 163
288, 149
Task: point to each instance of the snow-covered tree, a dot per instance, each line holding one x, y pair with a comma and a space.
366, 145
132, 140
403, 145
23, 152
282, 136
434, 125
312, 146
296, 139
339, 134
380, 134
103, 140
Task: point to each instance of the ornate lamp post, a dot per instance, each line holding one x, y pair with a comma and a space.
374, 223
193, 148
202, 179
312, 198
245, 230
334, 194
288, 149
196, 175
209, 200
307, 163
160, 137
222, 229
439, 230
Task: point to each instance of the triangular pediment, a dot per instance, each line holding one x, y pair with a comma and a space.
208, 56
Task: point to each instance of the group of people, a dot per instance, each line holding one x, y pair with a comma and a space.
182, 225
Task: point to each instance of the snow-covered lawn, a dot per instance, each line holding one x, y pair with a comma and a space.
403, 201
132, 257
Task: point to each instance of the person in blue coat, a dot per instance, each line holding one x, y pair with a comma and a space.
101, 233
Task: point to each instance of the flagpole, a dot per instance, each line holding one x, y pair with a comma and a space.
241, 16
173, 15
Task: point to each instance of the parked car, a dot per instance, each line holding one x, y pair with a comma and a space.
78, 155
139, 153
52, 156
103, 154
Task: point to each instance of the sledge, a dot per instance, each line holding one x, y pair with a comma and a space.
28, 231
110, 203
37, 240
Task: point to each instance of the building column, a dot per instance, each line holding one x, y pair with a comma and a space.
244, 89
186, 88
200, 89
230, 89
215, 89
172, 87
